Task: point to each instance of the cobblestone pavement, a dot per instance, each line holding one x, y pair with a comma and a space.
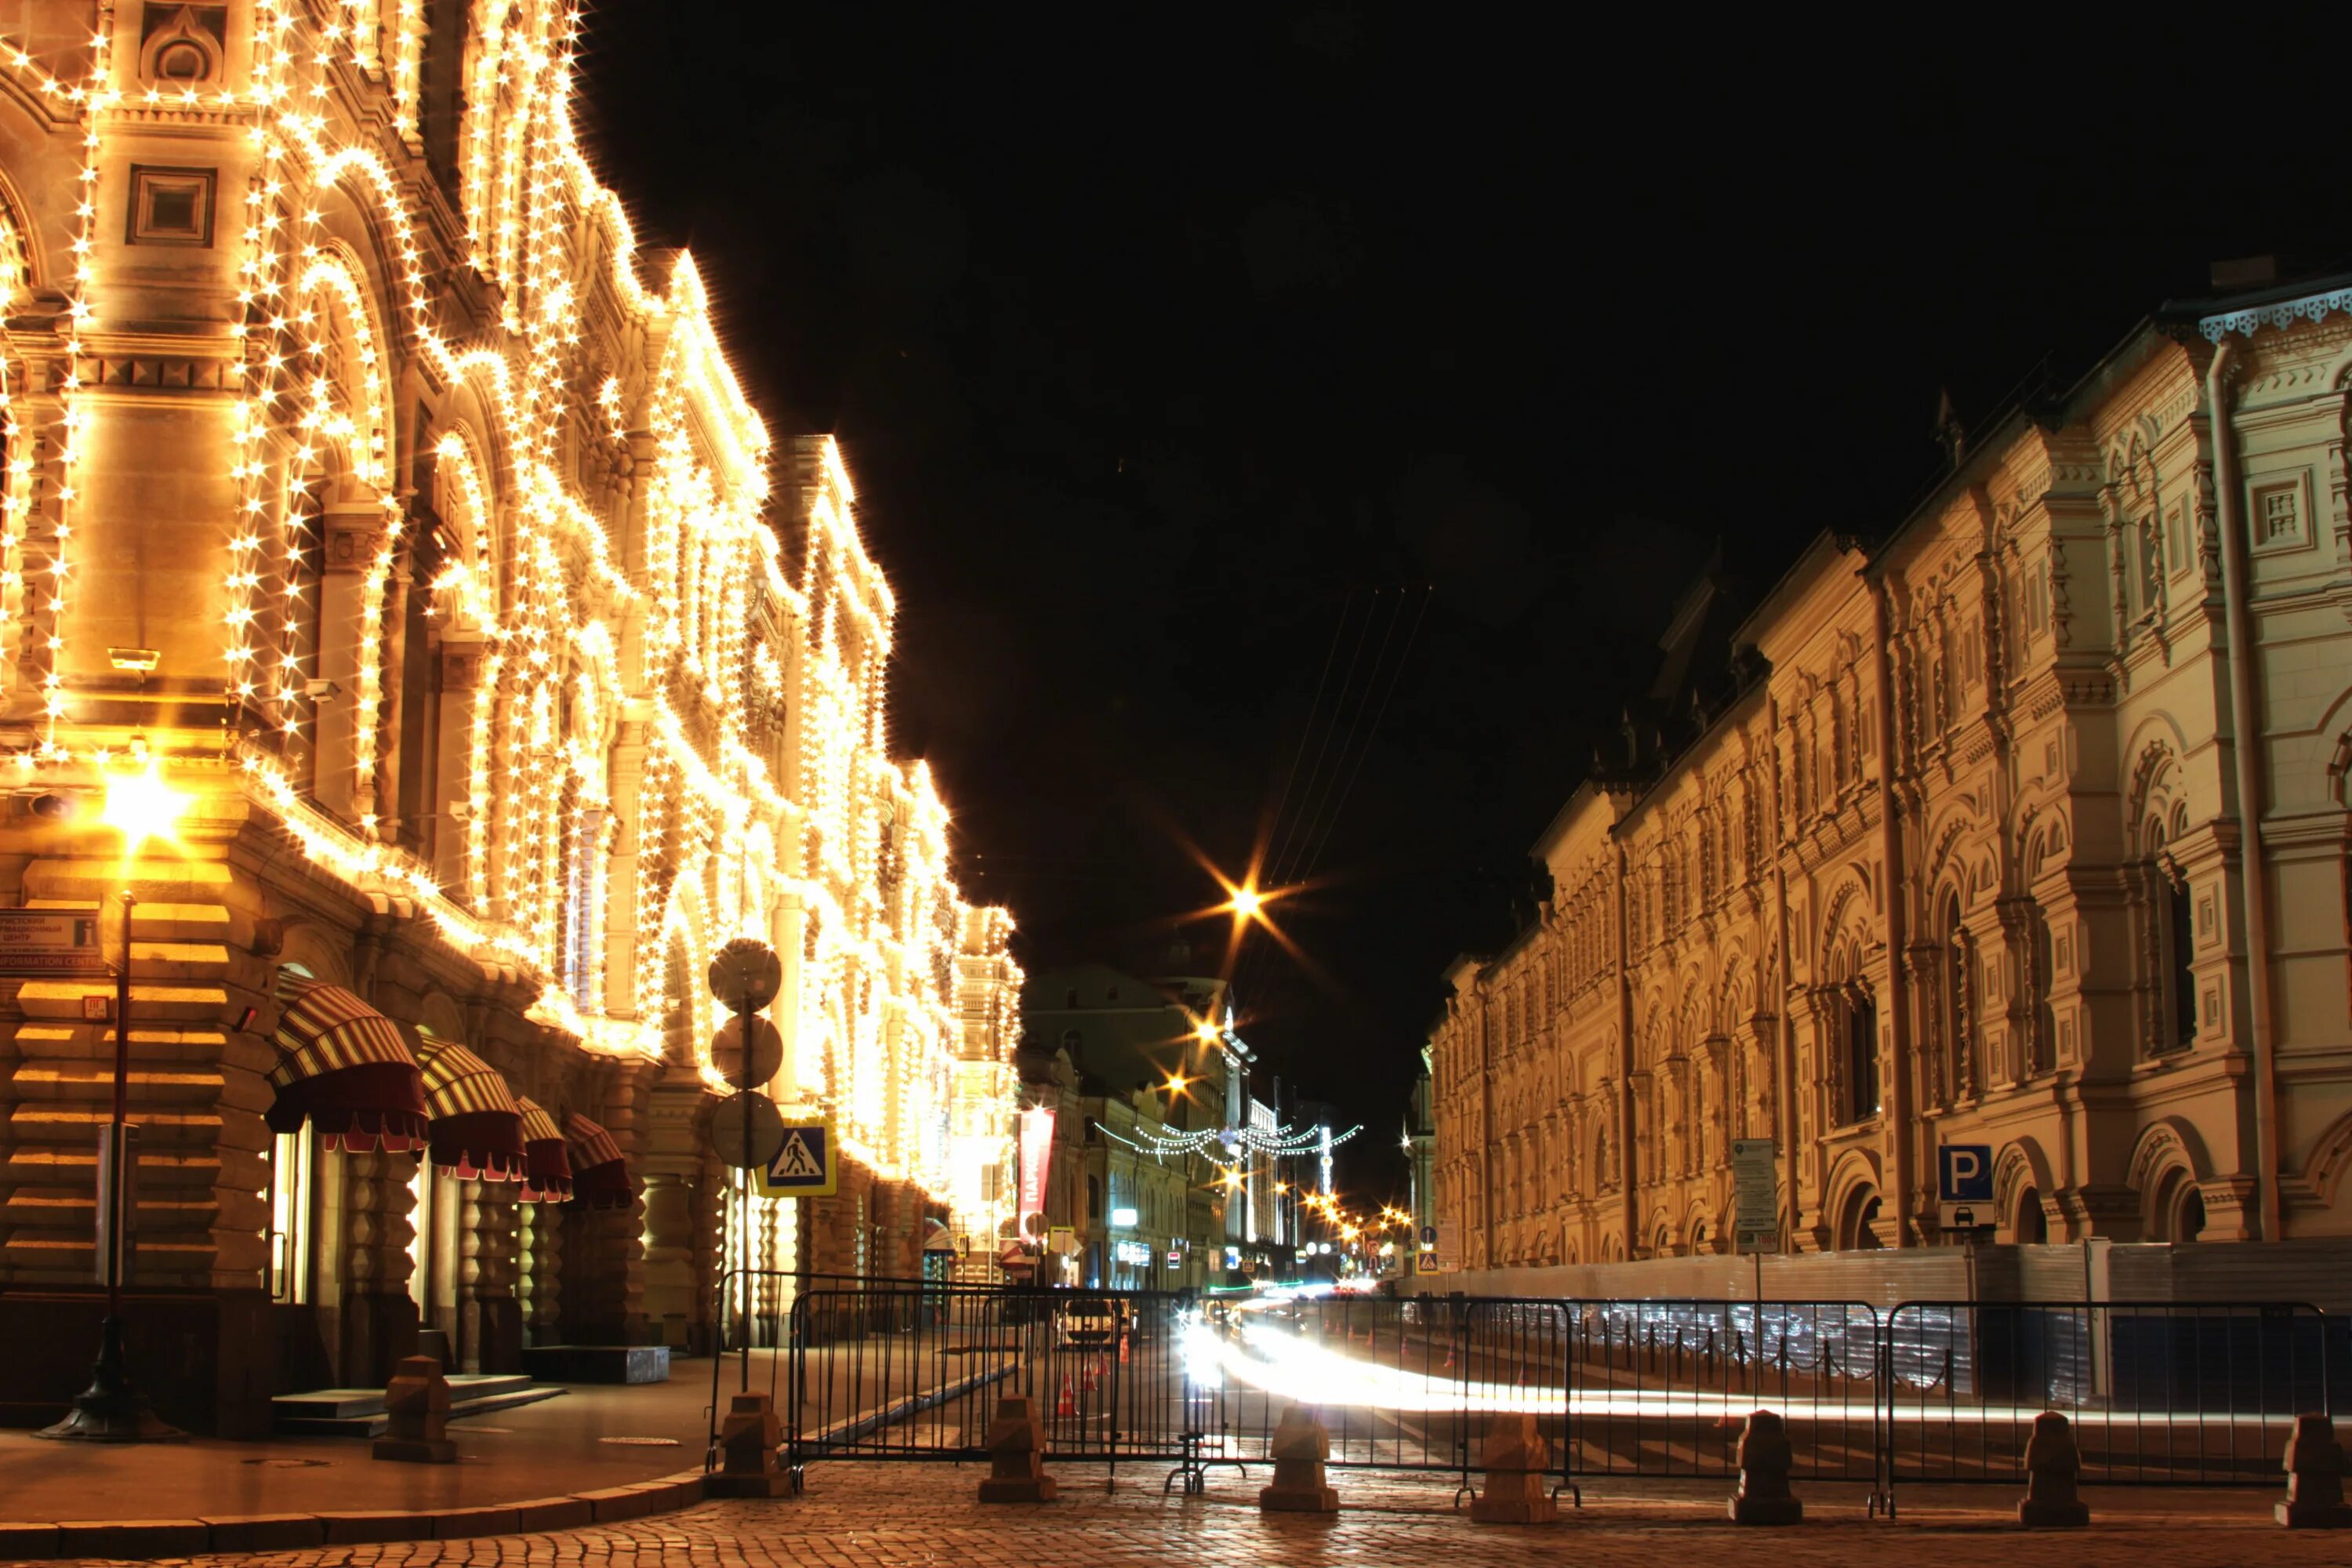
881, 1516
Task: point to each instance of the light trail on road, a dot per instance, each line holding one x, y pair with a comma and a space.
1278, 1360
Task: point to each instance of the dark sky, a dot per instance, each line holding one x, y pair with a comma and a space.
1193, 361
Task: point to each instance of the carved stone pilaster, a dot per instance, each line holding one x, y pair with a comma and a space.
378, 1318
1923, 964
490, 1317
541, 1284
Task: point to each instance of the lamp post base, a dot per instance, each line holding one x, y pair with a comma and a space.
110, 1410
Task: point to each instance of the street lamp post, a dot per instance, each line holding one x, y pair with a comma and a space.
110, 1409
139, 807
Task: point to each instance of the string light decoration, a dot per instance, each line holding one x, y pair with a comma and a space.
1234, 1141
608, 561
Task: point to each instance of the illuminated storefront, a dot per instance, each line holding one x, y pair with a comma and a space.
369, 490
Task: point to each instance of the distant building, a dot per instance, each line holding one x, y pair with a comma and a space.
1419, 1141
1984, 839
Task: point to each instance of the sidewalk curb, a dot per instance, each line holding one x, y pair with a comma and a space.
136, 1539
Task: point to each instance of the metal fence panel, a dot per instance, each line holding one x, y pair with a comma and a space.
1664, 1387
1933, 1390
2158, 1394
1410, 1385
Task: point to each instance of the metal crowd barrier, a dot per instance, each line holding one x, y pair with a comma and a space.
1664, 1387
1931, 1392
1409, 1385
2158, 1394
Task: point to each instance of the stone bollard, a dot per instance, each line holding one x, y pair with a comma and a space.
1763, 1496
1518, 1459
1299, 1447
2314, 1477
747, 1440
1016, 1456
2051, 1464
417, 1400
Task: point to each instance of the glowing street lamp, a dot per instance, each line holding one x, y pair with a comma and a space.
139, 807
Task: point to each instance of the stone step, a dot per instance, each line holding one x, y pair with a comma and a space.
151, 1002
86, 1080
99, 881
359, 1412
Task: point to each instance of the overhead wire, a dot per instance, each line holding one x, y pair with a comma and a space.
1300, 847
1396, 677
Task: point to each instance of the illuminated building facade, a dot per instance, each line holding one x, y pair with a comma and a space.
1987, 840
369, 488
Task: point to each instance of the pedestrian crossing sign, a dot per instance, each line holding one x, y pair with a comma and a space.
807, 1166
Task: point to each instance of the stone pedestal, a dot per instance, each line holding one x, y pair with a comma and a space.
2314, 1477
417, 1400
747, 1443
1517, 1461
1299, 1447
1764, 1460
1016, 1456
2052, 1465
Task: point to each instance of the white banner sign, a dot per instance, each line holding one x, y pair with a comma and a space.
1756, 1192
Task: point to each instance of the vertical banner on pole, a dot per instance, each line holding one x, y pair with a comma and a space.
1036, 1151
1756, 1192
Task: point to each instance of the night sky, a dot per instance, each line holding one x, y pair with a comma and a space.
1321, 407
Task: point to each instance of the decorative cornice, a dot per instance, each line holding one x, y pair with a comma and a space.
2285, 314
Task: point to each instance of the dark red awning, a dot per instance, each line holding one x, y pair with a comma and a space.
600, 1176
547, 1172
345, 1068
476, 1126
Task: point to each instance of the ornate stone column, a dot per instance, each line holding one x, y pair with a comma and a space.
379, 1316
491, 1321
542, 1274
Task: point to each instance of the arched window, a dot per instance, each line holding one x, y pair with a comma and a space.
1860, 1056
2041, 1047
2032, 1223
1093, 1198
2179, 958
1959, 1002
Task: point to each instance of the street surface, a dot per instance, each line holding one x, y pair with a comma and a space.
865, 1515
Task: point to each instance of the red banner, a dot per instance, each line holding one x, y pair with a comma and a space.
1037, 1155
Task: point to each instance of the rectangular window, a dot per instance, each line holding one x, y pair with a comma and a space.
169, 207
2278, 517
2279, 520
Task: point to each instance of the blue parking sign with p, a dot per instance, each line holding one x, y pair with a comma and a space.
1964, 1172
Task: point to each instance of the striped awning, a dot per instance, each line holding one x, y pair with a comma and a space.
600, 1176
345, 1068
547, 1172
477, 1125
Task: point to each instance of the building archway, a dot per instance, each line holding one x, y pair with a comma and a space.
2032, 1225
2175, 1208
1858, 1220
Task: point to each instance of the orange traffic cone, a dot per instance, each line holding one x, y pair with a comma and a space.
1087, 1377
1122, 1350
1066, 1404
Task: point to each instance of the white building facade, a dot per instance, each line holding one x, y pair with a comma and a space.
1995, 837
